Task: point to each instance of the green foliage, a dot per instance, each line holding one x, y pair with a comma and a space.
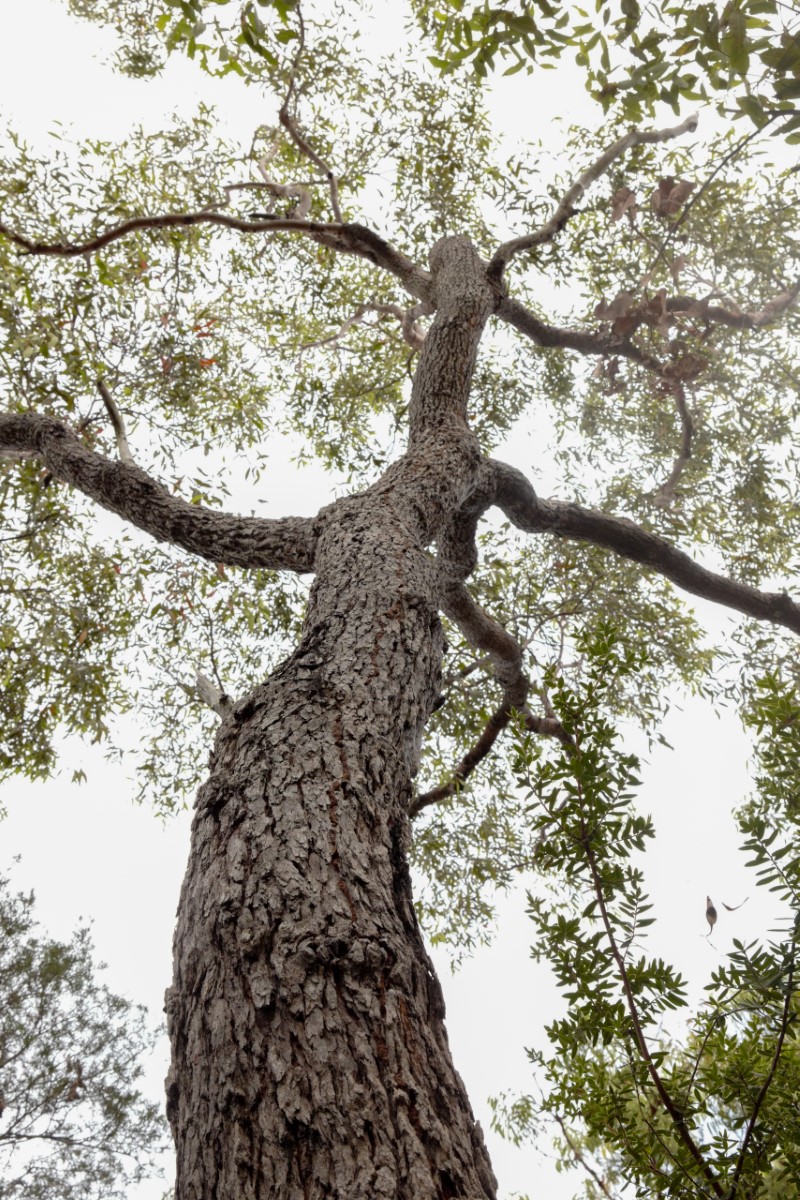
744, 54
710, 1112
215, 344
73, 1124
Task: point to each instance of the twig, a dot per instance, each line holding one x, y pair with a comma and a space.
687, 208
668, 1104
411, 331
580, 1157
123, 448
566, 207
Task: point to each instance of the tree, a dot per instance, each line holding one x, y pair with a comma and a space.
72, 1120
309, 1052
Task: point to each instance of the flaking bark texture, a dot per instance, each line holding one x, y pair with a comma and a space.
310, 1059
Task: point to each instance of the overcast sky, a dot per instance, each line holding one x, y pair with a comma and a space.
87, 851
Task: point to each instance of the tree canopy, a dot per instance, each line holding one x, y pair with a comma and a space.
171, 302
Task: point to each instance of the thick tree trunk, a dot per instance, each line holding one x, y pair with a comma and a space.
310, 1058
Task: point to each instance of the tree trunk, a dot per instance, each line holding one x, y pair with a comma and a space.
310, 1058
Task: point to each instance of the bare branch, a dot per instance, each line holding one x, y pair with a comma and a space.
346, 239
515, 496
123, 448
581, 1158
289, 123
124, 489
566, 207
211, 695
475, 755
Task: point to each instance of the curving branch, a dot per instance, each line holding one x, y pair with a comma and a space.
566, 207
348, 238
289, 122
515, 496
284, 544
584, 342
123, 449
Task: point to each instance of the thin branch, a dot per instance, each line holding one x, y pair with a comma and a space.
762, 1095
123, 449
517, 499
289, 123
284, 544
412, 333
666, 492
474, 756
566, 207
687, 208
580, 1157
667, 1103
349, 238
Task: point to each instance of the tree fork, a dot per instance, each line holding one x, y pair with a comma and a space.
310, 1059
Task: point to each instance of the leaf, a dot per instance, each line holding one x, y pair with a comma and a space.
623, 202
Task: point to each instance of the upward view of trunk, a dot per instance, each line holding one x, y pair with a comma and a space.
310, 1058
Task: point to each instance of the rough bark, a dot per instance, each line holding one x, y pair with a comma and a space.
122, 488
310, 1058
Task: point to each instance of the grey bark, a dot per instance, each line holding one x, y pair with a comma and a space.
310, 1058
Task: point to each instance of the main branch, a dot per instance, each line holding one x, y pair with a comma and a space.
515, 496
122, 488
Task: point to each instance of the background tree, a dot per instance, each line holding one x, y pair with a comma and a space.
72, 1120
308, 1046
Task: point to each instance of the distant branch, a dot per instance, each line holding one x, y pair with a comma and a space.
517, 499
413, 334
566, 206
124, 489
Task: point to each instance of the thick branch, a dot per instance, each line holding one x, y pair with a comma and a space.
566, 206
124, 489
346, 239
515, 496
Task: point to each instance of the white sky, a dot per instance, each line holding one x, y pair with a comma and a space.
87, 851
